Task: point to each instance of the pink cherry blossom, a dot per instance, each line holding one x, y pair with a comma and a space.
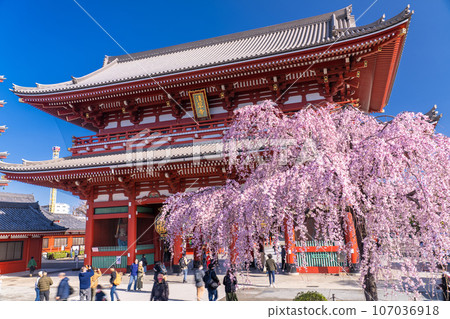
323, 163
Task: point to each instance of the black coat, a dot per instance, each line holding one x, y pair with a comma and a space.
210, 274
160, 291
63, 288
230, 285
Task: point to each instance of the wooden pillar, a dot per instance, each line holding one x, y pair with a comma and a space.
350, 238
233, 251
132, 229
89, 237
177, 253
289, 238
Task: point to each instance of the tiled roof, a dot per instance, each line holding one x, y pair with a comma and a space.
263, 42
73, 223
150, 157
25, 217
16, 198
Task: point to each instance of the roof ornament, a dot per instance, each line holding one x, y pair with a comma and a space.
407, 11
105, 60
382, 19
348, 12
433, 116
74, 80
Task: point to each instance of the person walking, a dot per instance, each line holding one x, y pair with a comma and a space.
160, 291
36, 288
113, 280
230, 282
211, 282
44, 284
94, 282
63, 291
32, 265
144, 263
271, 267
85, 283
199, 283
140, 276
184, 267
283, 258
133, 275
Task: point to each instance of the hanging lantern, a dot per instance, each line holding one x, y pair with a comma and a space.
161, 227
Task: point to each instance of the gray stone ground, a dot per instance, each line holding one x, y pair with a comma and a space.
253, 286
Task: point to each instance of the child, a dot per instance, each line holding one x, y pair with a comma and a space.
100, 295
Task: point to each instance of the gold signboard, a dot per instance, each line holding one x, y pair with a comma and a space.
199, 104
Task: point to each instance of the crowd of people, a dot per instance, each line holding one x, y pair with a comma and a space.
205, 278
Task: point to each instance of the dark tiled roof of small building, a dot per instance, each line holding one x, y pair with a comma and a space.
73, 223
25, 217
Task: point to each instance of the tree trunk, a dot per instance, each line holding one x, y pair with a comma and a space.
370, 290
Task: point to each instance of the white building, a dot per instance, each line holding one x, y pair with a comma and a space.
60, 208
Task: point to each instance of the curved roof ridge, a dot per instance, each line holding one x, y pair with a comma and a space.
340, 14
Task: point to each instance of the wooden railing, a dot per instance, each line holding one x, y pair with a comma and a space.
146, 138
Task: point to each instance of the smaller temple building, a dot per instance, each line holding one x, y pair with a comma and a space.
22, 227
72, 240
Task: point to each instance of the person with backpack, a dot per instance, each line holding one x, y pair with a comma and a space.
114, 280
160, 291
230, 283
32, 265
85, 283
271, 267
184, 267
63, 291
199, 284
133, 275
211, 282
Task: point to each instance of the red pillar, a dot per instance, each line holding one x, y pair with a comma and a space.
177, 253
289, 238
89, 237
132, 229
233, 251
350, 238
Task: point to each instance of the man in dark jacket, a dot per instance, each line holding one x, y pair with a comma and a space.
144, 263
283, 258
160, 291
44, 287
85, 283
63, 288
133, 274
230, 282
211, 282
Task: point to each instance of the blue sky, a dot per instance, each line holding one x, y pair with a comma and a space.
48, 41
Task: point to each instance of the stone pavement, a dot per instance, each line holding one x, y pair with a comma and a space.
19, 286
